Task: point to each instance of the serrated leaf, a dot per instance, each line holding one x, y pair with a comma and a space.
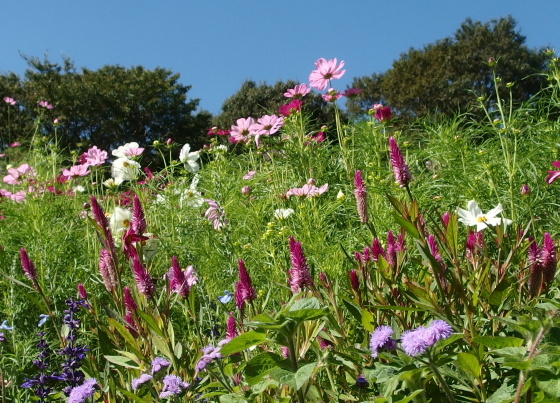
242, 342
302, 315
305, 303
304, 373
258, 366
550, 383
232, 398
504, 394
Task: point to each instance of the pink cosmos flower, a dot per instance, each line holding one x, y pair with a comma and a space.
215, 214
216, 131
265, 126
319, 137
326, 70
16, 175
249, 175
45, 104
332, 95
242, 130
291, 108
76, 170
383, 114
129, 150
9, 100
308, 190
18, 197
297, 92
553, 175
16, 144
95, 157
352, 92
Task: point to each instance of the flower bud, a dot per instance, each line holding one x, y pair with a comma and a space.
246, 190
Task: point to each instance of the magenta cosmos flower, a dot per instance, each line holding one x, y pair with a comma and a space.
326, 71
242, 130
291, 108
332, 95
352, 92
553, 175
297, 92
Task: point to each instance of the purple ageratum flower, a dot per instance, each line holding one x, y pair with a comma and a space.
173, 385
248, 292
143, 279
381, 338
438, 330
138, 222
400, 169
137, 383
79, 394
299, 276
361, 197
414, 342
297, 92
158, 364
326, 70
95, 157
209, 353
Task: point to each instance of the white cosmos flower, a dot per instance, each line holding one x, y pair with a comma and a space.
282, 213
119, 221
112, 183
128, 150
474, 216
189, 158
191, 197
125, 169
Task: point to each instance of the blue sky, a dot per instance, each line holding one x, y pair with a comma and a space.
217, 44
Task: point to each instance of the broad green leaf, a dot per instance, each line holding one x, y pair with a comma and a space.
408, 227
126, 335
469, 363
150, 322
500, 293
242, 342
161, 345
134, 397
305, 303
498, 342
367, 319
232, 398
262, 386
122, 361
520, 365
259, 366
518, 352
353, 309
303, 374
550, 383
306, 314
504, 394
283, 377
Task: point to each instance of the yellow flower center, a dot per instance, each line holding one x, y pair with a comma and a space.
125, 223
125, 164
481, 219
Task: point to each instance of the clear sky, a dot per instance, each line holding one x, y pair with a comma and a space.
217, 44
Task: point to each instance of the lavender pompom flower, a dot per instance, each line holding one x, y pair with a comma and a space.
137, 383
414, 342
400, 169
79, 394
381, 338
438, 330
209, 353
173, 385
158, 364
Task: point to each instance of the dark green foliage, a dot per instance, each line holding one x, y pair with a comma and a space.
106, 107
443, 76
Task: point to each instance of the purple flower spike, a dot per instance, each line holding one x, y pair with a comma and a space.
400, 169
143, 279
231, 329
354, 281
300, 278
138, 223
248, 291
361, 197
239, 300
28, 266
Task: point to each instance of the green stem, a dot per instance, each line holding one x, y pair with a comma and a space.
440, 379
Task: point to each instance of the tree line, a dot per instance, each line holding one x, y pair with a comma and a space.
114, 104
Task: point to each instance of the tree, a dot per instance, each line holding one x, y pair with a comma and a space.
254, 101
442, 76
112, 105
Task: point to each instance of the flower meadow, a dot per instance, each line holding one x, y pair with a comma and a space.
287, 261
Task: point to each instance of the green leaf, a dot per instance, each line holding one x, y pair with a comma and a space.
161, 345
408, 227
150, 322
367, 320
504, 394
411, 396
518, 352
469, 363
305, 303
302, 315
125, 334
304, 373
132, 396
122, 361
232, 398
283, 377
353, 309
498, 342
396, 308
500, 293
242, 342
259, 366
550, 383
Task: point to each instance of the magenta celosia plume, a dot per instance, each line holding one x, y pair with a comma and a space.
299, 276
400, 169
361, 197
